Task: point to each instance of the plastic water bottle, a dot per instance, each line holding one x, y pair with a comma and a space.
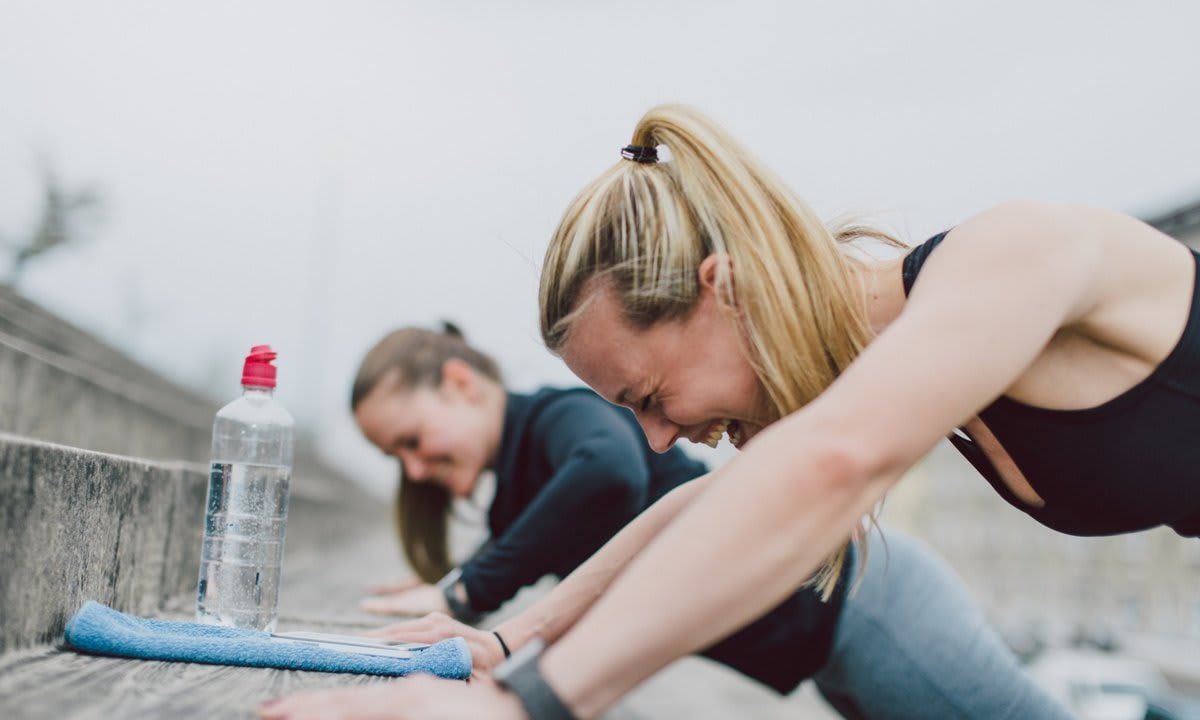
247, 504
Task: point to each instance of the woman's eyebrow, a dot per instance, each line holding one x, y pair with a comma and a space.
400, 441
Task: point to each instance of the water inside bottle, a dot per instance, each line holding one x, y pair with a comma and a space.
243, 545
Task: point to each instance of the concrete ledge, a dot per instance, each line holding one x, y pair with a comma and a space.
61, 385
22, 318
60, 399
78, 525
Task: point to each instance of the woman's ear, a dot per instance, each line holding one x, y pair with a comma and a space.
716, 276
461, 378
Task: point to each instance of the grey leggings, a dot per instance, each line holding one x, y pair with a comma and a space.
911, 644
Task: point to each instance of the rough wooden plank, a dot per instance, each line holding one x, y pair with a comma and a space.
50, 683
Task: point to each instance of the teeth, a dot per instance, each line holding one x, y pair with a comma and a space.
718, 430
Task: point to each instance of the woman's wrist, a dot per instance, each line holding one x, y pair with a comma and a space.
522, 676
458, 603
519, 630
503, 645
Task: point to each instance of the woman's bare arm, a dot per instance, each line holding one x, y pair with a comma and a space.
989, 300
570, 599
551, 616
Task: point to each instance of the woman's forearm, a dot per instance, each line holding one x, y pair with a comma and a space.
554, 614
758, 532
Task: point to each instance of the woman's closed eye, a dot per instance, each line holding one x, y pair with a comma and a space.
650, 404
405, 443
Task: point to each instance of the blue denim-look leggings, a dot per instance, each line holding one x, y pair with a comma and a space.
910, 643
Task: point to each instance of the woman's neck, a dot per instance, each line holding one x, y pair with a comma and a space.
882, 283
495, 403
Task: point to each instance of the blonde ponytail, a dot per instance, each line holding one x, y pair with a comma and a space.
646, 227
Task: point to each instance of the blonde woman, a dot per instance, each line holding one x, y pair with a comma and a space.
1058, 347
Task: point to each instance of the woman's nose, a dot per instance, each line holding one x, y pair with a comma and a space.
660, 434
414, 467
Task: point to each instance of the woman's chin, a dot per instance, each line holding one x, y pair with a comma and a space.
462, 487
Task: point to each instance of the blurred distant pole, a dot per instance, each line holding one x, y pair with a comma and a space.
319, 293
58, 224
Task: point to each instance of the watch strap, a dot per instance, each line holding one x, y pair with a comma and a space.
521, 676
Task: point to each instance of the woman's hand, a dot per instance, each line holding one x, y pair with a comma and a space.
486, 652
419, 697
417, 600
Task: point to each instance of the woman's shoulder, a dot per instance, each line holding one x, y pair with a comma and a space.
554, 405
1118, 282
566, 417
1110, 254
1036, 226
1088, 250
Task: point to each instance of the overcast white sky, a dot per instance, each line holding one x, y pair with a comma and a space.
313, 174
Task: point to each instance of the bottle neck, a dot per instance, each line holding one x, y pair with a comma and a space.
257, 391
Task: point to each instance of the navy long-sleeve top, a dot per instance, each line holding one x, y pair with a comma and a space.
571, 471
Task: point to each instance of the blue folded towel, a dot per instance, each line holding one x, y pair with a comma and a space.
101, 630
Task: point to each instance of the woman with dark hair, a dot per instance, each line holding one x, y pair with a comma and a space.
570, 469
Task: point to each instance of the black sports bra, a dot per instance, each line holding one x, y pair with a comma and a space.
1128, 464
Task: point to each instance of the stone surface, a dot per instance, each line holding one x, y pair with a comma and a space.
60, 399
64, 399
79, 525
23, 319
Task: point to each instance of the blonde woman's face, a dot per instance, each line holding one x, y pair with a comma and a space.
438, 434
684, 379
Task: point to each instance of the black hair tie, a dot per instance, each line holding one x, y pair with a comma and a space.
640, 154
503, 645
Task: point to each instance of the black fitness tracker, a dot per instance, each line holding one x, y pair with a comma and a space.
520, 676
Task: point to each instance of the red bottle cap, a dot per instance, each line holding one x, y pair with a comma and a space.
258, 370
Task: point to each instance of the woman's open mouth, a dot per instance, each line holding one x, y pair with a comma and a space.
712, 435
734, 430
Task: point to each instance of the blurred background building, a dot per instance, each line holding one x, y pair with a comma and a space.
1182, 223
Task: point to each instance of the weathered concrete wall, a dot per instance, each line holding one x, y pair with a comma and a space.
25, 319
99, 399
79, 525
60, 399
